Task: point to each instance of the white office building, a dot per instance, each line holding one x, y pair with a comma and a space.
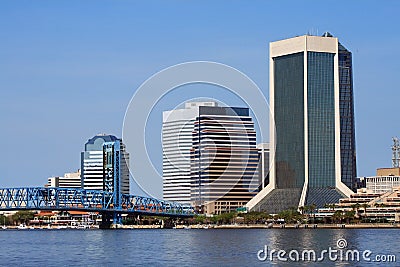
381, 184
224, 160
176, 142
69, 180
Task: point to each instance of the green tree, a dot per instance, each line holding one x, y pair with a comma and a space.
349, 215
365, 206
337, 216
313, 207
331, 206
23, 216
290, 215
200, 219
4, 220
213, 219
226, 218
255, 217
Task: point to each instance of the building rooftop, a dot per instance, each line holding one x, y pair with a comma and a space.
96, 142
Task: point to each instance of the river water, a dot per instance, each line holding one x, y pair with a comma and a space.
194, 247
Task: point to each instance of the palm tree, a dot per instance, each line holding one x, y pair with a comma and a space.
331, 206
337, 215
306, 210
349, 215
357, 206
365, 206
312, 208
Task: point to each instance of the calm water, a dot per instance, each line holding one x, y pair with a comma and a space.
179, 247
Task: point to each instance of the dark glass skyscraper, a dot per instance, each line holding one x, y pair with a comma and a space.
311, 98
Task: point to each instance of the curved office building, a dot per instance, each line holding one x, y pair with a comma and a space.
92, 163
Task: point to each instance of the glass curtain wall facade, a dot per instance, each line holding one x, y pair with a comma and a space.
321, 120
289, 120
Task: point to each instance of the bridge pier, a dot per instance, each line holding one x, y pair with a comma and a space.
105, 220
111, 220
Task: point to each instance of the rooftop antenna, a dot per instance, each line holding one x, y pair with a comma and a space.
395, 152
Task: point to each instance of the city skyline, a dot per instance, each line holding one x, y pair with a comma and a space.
54, 80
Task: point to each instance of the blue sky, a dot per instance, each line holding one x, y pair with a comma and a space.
69, 68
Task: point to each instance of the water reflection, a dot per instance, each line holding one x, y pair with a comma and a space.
213, 247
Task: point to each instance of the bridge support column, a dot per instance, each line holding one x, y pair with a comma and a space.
117, 220
111, 220
106, 220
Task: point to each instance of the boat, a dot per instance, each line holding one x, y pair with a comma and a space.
31, 228
22, 227
4, 227
82, 227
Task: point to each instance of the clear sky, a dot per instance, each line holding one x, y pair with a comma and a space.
69, 68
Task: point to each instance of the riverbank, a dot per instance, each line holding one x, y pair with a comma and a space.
27, 228
274, 226
237, 226
295, 226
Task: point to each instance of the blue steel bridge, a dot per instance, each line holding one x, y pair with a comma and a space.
110, 204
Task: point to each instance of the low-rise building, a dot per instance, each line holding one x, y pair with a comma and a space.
382, 184
368, 205
69, 218
69, 180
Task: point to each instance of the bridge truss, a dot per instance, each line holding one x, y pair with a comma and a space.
104, 202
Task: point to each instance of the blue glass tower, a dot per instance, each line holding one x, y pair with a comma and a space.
94, 164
